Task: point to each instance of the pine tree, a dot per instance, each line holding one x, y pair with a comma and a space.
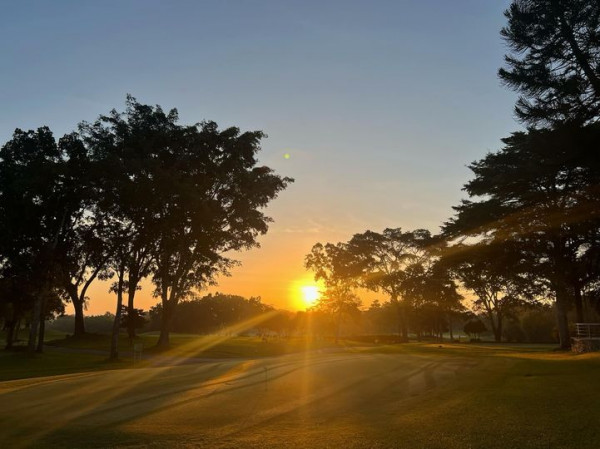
554, 61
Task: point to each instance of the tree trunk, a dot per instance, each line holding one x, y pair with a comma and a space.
114, 342
17, 328
498, 332
165, 326
34, 324
130, 311
42, 330
578, 305
495, 326
338, 321
79, 329
402, 328
402, 321
562, 306
10, 331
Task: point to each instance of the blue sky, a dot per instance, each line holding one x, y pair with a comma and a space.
381, 104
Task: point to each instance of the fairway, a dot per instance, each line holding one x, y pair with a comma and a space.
390, 396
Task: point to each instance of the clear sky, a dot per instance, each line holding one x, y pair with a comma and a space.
380, 104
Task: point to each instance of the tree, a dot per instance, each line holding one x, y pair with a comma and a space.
335, 267
178, 198
385, 262
495, 272
432, 293
555, 60
84, 259
218, 312
381, 318
540, 193
86, 250
338, 301
35, 213
474, 327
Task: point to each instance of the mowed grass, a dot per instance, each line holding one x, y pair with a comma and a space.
20, 365
201, 346
411, 395
64, 354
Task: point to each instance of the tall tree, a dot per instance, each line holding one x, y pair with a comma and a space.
83, 252
333, 265
181, 197
540, 192
36, 210
338, 301
554, 61
499, 276
432, 293
384, 262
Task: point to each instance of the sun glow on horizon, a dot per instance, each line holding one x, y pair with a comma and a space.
310, 295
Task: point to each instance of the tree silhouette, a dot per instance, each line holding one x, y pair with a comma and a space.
384, 262
83, 251
499, 276
178, 198
432, 293
338, 301
555, 60
36, 212
474, 327
540, 192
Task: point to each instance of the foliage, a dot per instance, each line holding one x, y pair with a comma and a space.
134, 318
497, 274
401, 264
554, 61
36, 212
176, 199
339, 302
538, 195
214, 313
474, 327
95, 324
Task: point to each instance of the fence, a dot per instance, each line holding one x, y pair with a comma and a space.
589, 331
587, 337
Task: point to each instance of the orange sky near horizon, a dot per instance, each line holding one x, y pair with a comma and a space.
275, 270
326, 208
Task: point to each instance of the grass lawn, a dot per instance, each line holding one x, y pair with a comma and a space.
410, 395
192, 345
19, 365
65, 355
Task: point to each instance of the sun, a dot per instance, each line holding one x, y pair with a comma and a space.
310, 294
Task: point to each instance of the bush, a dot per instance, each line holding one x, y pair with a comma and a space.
474, 327
539, 325
96, 324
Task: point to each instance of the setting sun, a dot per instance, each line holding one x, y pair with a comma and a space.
310, 294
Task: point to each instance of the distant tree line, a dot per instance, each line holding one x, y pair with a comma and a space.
94, 324
211, 313
232, 314
133, 195
235, 315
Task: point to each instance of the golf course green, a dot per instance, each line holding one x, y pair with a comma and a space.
412, 395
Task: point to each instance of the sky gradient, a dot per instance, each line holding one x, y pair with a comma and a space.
381, 105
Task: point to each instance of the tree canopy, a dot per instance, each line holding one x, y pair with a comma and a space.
134, 194
554, 61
